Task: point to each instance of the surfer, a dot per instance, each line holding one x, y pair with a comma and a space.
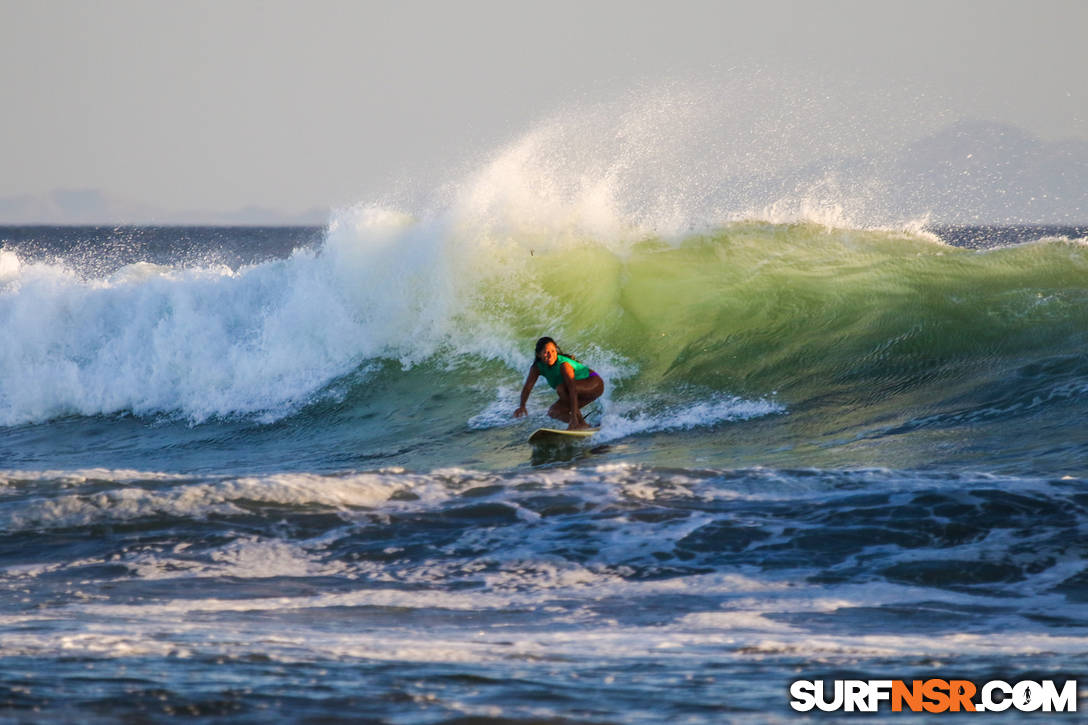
575, 383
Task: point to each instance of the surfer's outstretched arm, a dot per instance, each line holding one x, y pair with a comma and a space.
530, 381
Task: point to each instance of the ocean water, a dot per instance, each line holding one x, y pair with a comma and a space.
271, 474
257, 475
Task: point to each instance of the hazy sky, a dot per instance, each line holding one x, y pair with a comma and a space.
294, 105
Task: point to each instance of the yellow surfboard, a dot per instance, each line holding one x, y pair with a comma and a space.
544, 436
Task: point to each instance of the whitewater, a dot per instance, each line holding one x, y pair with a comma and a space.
274, 474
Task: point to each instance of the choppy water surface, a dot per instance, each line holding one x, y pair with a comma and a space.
273, 474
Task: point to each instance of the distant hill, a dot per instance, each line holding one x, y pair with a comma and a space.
971, 172
975, 172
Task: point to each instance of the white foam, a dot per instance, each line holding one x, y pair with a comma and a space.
744, 628
10, 265
718, 409
81, 476
222, 497
244, 558
499, 412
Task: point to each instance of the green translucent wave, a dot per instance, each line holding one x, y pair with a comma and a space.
808, 313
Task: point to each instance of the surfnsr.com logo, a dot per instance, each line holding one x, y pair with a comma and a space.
933, 695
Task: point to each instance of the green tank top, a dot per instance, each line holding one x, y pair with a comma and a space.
554, 374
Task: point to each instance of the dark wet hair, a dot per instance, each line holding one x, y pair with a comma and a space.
544, 341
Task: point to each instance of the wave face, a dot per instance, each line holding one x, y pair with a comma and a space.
850, 333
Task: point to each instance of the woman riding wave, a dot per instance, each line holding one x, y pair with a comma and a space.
575, 383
